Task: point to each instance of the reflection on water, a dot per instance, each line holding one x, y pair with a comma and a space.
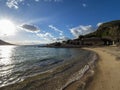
19, 62
5, 63
6, 54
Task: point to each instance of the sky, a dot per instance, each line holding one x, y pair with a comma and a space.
47, 21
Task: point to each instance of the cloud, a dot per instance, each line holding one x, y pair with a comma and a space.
99, 24
29, 28
81, 30
56, 29
15, 3
48, 37
63, 38
37, 0
53, 0
44, 36
84, 5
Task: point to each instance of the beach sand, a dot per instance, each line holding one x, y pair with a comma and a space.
107, 76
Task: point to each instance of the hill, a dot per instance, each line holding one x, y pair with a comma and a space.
107, 34
109, 30
4, 43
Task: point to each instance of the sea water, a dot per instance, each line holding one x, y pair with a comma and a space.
19, 62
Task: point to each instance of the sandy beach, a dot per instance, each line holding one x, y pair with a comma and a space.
107, 76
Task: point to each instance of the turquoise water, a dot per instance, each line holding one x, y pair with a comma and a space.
18, 62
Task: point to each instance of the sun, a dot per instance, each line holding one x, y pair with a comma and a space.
7, 27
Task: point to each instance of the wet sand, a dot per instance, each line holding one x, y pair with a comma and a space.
108, 73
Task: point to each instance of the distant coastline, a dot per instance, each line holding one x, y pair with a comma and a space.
5, 43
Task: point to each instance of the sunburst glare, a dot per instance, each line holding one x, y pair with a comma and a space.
7, 27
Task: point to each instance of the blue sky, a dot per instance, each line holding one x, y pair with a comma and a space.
45, 21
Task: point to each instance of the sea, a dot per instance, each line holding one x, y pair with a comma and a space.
20, 62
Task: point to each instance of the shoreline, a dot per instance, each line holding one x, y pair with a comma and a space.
83, 82
101, 72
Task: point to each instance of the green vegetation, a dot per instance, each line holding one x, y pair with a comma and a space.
109, 30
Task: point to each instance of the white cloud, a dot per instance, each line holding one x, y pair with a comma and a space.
44, 36
48, 37
29, 28
81, 30
15, 3
63, 38
53, 0
56, 29
99, 24
84, 5
37, 0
